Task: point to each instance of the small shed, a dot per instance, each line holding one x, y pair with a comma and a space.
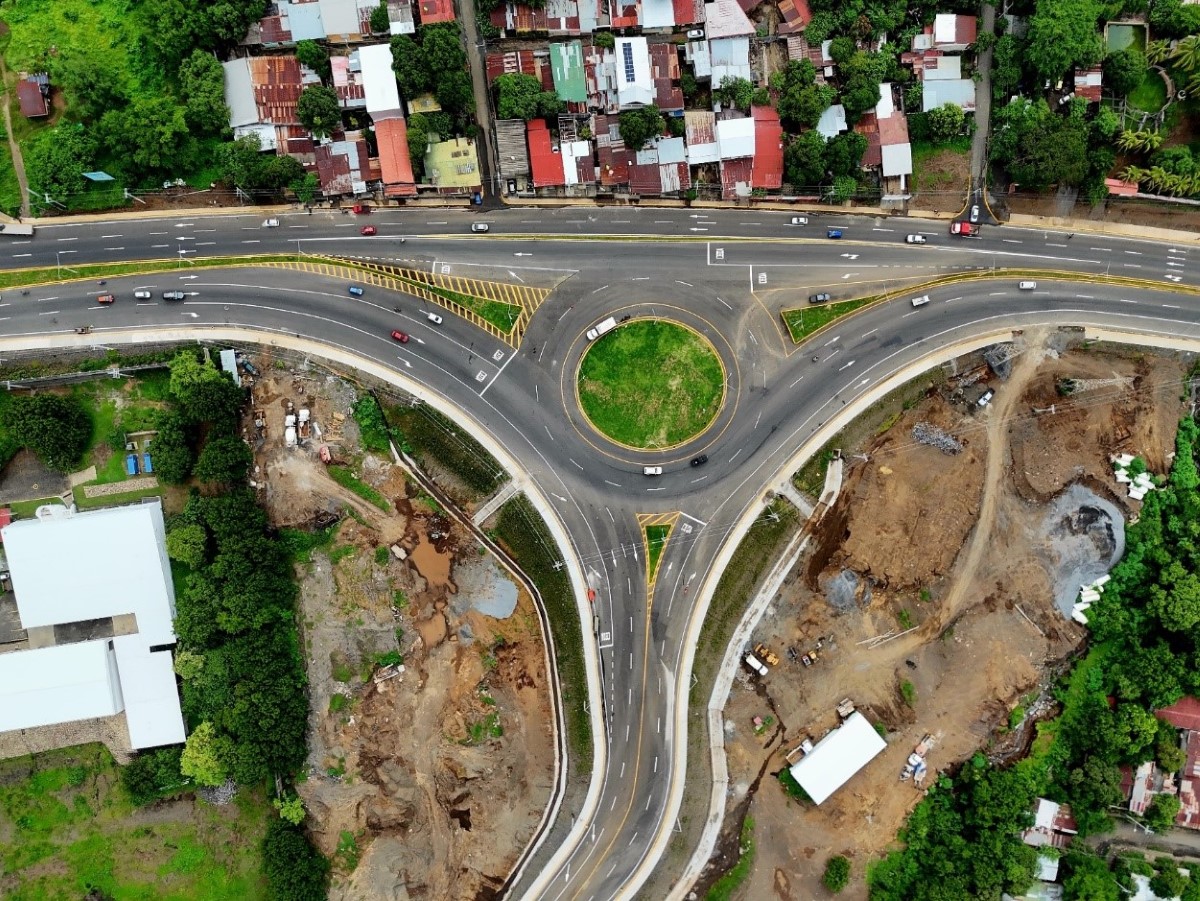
32, 91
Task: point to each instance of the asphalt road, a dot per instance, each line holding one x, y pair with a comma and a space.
730, 289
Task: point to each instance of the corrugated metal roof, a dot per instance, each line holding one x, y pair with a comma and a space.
658, 14
340, 18
1183, 714
768, 149
433, 11
544, 161
796, 15
239, 93
395, 165
725, 19
31, 99
61, 684
566, 66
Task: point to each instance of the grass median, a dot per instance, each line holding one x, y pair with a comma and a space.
651, 384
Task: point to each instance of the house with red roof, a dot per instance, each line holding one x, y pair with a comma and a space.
1183, 714
32, 94
768, 149
434, 11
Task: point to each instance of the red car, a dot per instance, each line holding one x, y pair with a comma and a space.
367, 230
105, 298
400, 336
361, 209
965, 229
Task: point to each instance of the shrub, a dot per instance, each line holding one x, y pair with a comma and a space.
837, 874
153, 774
57, 429
294, 869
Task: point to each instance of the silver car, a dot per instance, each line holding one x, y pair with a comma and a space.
914, 239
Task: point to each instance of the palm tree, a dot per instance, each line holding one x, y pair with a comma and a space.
1157, 51
1128, 140
1187, 53
1151, 140
1157, 180
1134, 174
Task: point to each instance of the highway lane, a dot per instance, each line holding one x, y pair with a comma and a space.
601, 490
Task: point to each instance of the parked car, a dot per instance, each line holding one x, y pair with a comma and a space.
141, 295
695, 34
701, 460
367, 230
479, 226
799, 220
434, 318
987, 397
914, 239
975, 213
651, 470
173, 295
833, 233
355, 290
361, 209
105, 298
400, 336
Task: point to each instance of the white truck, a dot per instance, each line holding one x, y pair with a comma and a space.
601, 328
757, 665
16, 228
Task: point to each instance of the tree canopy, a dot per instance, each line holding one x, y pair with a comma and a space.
639, 126
1124, 70
1063, 34
520, 96
804, 160
318, 110
57, 429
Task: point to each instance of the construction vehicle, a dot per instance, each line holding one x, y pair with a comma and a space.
304, 424
766, 654
757, 665
810, 658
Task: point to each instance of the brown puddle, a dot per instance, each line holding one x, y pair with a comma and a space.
433, 566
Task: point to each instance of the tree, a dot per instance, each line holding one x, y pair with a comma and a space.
239, 161
841, 49
837, 873
318, 110
605, 40
1170, 757
1006, 68
409, 65
153, 774
1161, 812
173, 449
225, 459
1062, 34
311, 54
844, 188
801, 100
1168, 882
735, 92
1088, 879
804, 160
379, 19
455, 93
202, 82
1124, 70
92, 84
56, 158
152, 137
639, 126
274, 172
205, 755
843, 154
1173, 19
1187, 53
305, 187
188, 543
290, 809
57, 429
861, 77
520, 96
204, 393
418, 143
294, 869
945, 122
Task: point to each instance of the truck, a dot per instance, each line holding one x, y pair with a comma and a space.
602, 328
757, 665
16, 228
964, 229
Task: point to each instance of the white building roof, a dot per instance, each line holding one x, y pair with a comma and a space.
944, 28
268, 137
897, 159
340, 17
672, 150
74, 567
730, 58
885, 107
725, 19
697, 54
305, 21
91, 565
960, 92
632, 61
948, 68
239, 93
837, 757
59, 684
1047, 868
379, 81
735, 138
832, 122
658, 14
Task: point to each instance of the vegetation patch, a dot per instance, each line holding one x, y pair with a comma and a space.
526, 538
348, 480
725, 887
651, 384
656, 540
437, 442
803, 321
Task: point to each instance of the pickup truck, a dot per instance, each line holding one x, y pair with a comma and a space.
601, 328
964, 229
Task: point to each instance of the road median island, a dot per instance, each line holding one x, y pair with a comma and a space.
809, 320
651, 384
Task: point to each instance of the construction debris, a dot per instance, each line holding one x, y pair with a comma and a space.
1088, 595
1000, 357
926, 433
1140, 484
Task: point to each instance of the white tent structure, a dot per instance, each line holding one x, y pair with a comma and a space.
837, 757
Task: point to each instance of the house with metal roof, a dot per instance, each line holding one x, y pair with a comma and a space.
837, 757
768, 149
99, 632
453, 166
567, 71
32, 92
631, 67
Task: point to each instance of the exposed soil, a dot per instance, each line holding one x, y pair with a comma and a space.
430, 776
941, 180
967, 551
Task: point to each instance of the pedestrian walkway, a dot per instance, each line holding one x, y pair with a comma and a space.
507, 491
17, 161
789, 491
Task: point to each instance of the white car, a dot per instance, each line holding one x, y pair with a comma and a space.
651, 470
479, 226
914, 239
695, 34
975, 213
142, 295
270, 223
987, 397
920, 301
1027, 286
799, 220
434, 318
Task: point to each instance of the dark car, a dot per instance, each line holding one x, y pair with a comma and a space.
818, 298
173, 295
400, 336
367, 230
105, 298
833, 233
701, 460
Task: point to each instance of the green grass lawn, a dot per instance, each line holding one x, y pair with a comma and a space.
66, 826
651, 384
344, 477
656, 539
1150, 95
803, 321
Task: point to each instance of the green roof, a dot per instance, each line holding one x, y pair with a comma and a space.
566, 65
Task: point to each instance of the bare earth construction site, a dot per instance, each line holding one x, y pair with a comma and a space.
936, 593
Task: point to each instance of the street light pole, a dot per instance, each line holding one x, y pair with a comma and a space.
58, 257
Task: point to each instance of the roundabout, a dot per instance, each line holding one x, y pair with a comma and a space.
651, 384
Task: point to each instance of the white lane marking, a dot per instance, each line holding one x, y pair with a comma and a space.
614, 484
1125, 300
1171, 306
871, 332
1133, 265
114, 248
952, 299
883, 229
48, 313
1136, 253
255, 241
831, 341
727, 306
156, 246
906, 315
22, 254
576, 464
111, 236
598, 290
685, 284
641, 278
205, 243
735, 456
548, 432
694, 481
797, 382
68, 239
1085, 296
1055, 245
1011, 241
